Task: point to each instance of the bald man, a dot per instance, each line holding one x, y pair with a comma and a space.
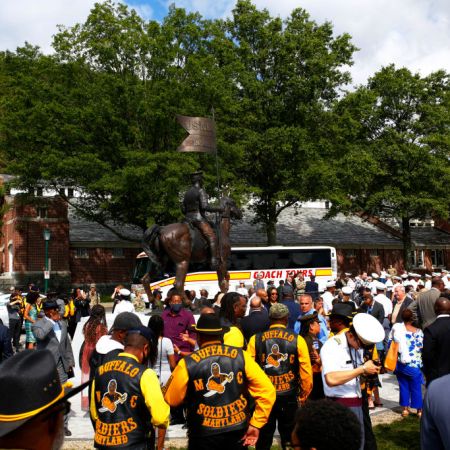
258, 319
436, 342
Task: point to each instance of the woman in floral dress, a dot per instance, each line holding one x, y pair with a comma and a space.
409, 364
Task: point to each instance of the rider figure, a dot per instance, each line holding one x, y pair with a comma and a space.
195, 205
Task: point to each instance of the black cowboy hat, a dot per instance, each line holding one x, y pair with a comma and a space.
29, 385
343, 309
209, 324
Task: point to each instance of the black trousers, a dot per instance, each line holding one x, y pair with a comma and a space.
370, 442
283, 412
15, 326
222, 441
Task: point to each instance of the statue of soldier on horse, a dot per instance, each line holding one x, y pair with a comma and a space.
194, 240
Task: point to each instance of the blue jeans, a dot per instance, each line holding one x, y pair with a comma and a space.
410, 380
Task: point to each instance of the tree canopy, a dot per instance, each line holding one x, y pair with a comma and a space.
99, 115
393, 148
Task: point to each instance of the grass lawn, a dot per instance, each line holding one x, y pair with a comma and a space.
403, 434
400, 435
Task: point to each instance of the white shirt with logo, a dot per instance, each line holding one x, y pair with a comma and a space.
336, 356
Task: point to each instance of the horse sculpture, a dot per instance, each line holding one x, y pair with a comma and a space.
182, 244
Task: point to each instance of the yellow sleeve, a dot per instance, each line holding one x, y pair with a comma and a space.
251, 347
375, 355
261, 389
305, 369
234, 338
176, 386
92, 408
154, 399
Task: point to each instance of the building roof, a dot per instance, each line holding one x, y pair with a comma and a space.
308, 227
429, 236
82, 232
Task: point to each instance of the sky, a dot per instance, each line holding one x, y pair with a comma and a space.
409, 33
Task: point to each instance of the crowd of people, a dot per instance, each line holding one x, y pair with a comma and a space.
292, 357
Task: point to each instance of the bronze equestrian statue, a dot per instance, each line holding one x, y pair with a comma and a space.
194, 240
194, 206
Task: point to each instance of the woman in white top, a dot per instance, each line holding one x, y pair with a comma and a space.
165, 361
164, 364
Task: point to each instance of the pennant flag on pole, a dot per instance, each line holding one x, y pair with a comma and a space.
202, 134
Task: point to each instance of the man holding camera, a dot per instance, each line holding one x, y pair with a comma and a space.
51, 334
343, 363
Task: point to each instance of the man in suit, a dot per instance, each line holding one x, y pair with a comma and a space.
435, 426
257, 321
51, 334
400, 303
436, 343
312, 288
423, 307
370, 306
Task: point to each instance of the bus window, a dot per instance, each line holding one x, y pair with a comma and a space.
311, 258
240, 261
262, 260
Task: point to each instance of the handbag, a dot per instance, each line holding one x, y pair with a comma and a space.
390, 362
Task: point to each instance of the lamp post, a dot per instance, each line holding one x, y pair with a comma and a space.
47, 235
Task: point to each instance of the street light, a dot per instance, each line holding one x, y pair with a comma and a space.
47, 235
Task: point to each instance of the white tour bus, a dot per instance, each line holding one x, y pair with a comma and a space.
245, 264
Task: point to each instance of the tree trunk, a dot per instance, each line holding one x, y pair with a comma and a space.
407, 245
271, 225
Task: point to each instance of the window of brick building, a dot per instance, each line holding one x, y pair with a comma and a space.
350, 253
437, 258
117, 252
373, 252
417, 258
81, 253
42, 212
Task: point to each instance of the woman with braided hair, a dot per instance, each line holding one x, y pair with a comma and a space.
93, 330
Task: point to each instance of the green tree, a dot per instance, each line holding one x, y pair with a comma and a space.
393, 147
100, 114
288, 74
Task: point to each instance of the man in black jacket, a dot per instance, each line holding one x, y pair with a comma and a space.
436, 343
257, 321
370, 306
6, 350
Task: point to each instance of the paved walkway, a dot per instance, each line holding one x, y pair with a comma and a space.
81, 427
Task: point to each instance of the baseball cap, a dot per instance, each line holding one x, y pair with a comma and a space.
278, 311
143, 331
126, 321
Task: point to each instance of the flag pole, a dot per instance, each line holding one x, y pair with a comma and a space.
217, 155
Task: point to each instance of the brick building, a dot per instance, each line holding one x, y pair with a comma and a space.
82, 252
